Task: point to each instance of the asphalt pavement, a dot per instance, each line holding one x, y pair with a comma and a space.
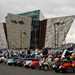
14, 70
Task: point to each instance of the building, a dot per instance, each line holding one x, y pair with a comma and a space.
57, 30
42, 33
18, 31
3, 42
31, 30
36, 18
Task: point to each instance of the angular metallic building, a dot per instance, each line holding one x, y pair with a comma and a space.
37, 16
42, 33
31, 30
56, 31
3, 42
18, 31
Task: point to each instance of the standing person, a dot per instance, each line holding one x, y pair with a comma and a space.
45, 52
28, 52
36, 51
33, 53
64, 53
12, 53
7, 54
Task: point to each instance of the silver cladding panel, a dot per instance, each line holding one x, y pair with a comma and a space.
62, 26
3, 42
18, 34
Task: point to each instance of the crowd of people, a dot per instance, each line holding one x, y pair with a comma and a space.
54, 58
45, 53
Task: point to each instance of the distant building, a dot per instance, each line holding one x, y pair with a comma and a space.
3, 42
18, 31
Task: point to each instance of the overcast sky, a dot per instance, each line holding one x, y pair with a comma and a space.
50, 8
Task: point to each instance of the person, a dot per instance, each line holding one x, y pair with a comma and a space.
49, 60
56, 64
28, 52
33, 53
65, 54
72, 57
45, 52
70, 48
36, 51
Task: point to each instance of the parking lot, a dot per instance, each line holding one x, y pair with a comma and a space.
12, 70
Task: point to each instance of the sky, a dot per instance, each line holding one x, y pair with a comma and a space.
50, 8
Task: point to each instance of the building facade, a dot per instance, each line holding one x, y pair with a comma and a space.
56, 31
31, 30
18, 31
42, 33
37, 16
3, 42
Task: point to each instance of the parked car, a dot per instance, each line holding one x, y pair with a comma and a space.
27, 62
11, 60
19, 61
2, 59
35, 64
31, 63
66, 67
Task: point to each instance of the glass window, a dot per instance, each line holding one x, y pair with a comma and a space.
35, 23
14, 21
35, 16
24, 33
21, 22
